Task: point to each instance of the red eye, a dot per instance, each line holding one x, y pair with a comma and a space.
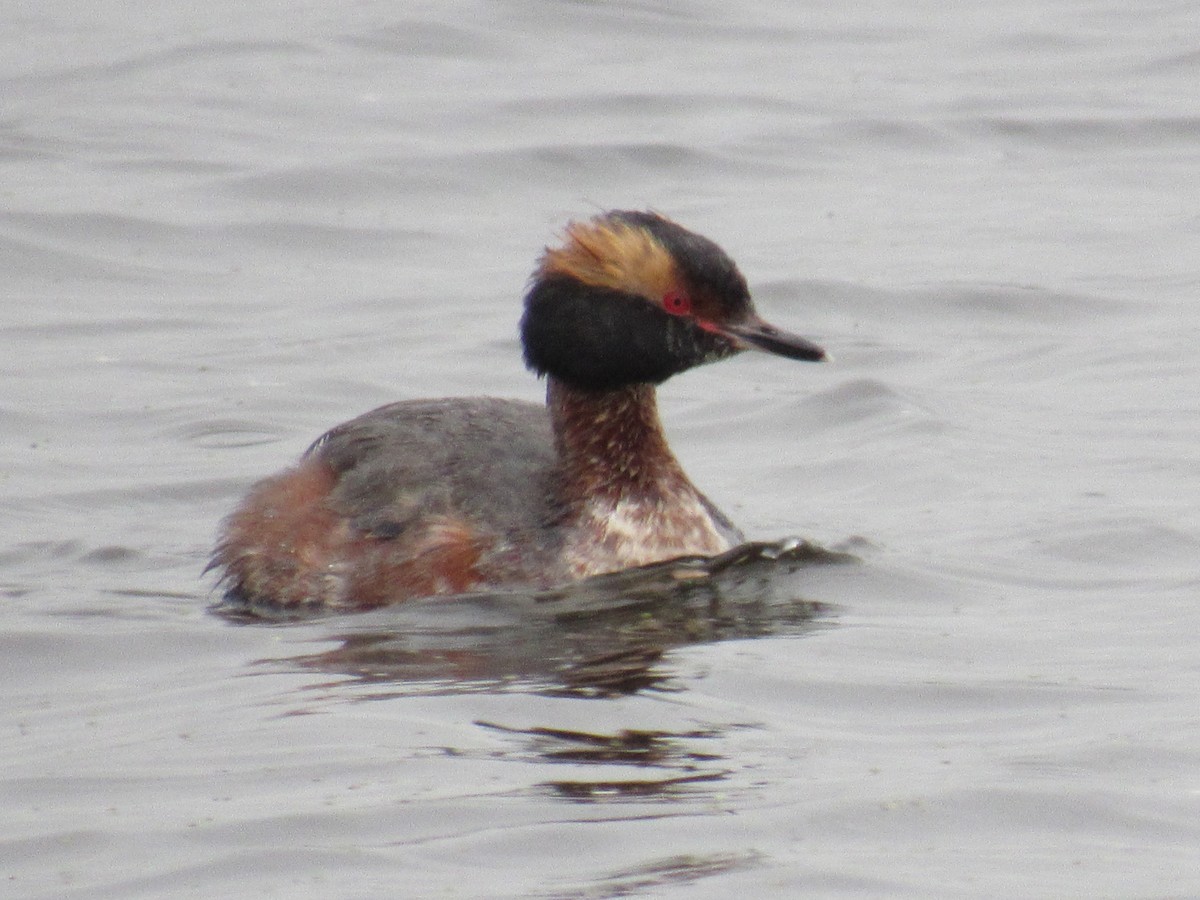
677, 303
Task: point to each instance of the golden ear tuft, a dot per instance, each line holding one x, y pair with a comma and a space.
609, 253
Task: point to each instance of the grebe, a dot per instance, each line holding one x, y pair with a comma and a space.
429, 497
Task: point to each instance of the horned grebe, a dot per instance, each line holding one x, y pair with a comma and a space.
428, 497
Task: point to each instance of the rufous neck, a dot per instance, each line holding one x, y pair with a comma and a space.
612, 442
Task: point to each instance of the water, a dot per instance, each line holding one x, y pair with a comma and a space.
226, 228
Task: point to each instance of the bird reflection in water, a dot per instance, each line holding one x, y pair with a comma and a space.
603, 637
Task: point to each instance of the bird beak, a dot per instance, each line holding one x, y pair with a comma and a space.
755, 334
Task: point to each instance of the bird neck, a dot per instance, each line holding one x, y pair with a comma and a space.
611, 443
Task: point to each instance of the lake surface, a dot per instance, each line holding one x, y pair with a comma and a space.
225, 228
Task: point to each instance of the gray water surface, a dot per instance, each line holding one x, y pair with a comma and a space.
225, 228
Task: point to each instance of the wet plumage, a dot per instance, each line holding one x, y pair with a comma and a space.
430, 497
